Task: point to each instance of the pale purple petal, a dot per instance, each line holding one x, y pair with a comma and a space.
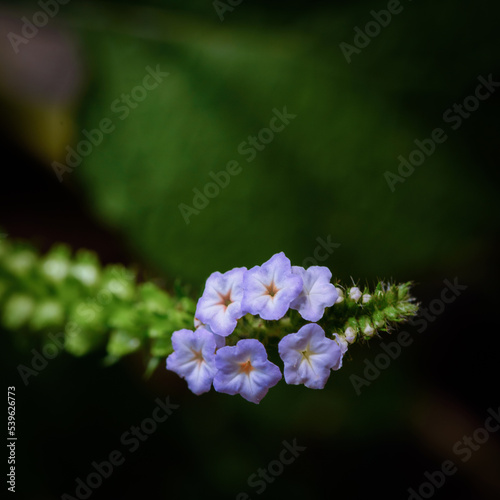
244, 369
343, 345
317, 292
269, 289
219, 340
220, 305
308, 356
193, 358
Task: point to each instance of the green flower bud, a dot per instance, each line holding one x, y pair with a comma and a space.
353, 323
118, 281
403, 291
391, 295
89, 315
17, 311
47, 313
378, 319
56, 264
86, 269
20, 263
391, 313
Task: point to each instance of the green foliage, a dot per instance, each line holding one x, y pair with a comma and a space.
98, 308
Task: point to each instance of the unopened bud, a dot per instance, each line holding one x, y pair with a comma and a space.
350, 335
355, 293
85, 273
368, 330
378, 319
342, 342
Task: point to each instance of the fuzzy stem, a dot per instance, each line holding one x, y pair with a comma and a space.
105, 308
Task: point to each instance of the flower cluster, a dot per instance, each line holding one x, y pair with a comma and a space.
241, 313
268, 291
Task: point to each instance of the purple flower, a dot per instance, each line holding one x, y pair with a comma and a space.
219, 340
308, 356
317, 292
270, 288
220, 305
193, 358
244, 369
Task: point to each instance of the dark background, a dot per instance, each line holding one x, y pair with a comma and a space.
323, 175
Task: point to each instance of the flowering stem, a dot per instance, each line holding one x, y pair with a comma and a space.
105, 308
386, 305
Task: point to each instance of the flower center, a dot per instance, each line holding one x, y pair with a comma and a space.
225, 300
272, 289
197, 356
246, 367
306, 356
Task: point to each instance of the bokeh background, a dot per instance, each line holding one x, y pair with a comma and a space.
321, 177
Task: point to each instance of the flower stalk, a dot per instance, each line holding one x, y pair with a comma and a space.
106, 309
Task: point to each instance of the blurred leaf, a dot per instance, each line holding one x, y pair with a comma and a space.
122, 342
322, 175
